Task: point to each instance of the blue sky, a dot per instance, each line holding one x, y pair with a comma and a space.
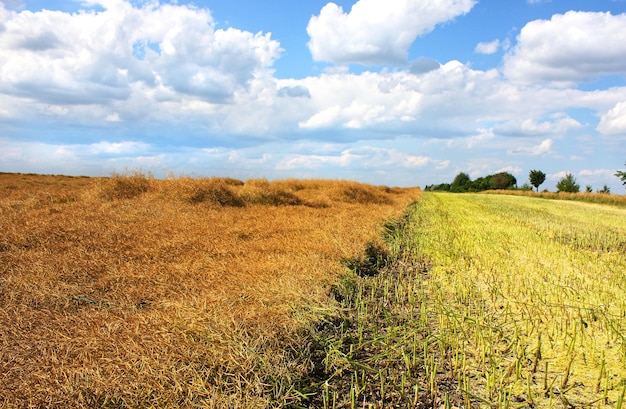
393, 92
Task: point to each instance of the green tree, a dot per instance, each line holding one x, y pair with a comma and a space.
568, 184
536, 178
480, 184
589, 189
605, 189
622, 175
503, 180
461, 183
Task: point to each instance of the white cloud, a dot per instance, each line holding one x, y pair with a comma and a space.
470, 142
531, 127
443, 164
614, 121
569, 48
543, 148
117, 148
488, 47
377, 31
446, 102
301, 161
95, 57
511, 169
368, 157
598, 173
423, 65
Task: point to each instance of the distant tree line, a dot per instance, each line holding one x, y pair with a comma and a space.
463, 183
503, 180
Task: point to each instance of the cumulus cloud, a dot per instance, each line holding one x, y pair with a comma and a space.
369, 157
487, 47
294, 91
377, 31
117, 148
543, 148
599, 173
531, 127
302, 161
163, 72
569, 48
423, 65
96, 56
614, 121
446, 102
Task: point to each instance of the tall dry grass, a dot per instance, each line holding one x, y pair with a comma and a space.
135, 292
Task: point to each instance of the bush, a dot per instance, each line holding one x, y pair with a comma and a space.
568, 184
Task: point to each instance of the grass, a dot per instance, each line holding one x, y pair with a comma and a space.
488, 301
135, 292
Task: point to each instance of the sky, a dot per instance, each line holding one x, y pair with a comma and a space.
389, 92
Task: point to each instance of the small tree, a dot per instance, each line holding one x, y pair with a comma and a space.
481, 183
536, 178
589, 189
605, 189
461, 183
622, 175
568, 184
503, 180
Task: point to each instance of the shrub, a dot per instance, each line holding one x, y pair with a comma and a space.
568, 184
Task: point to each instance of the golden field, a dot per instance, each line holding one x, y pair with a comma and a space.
130, 291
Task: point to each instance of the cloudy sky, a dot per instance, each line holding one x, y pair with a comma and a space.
393, 92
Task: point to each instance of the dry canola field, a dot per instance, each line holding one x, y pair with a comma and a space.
135, 292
